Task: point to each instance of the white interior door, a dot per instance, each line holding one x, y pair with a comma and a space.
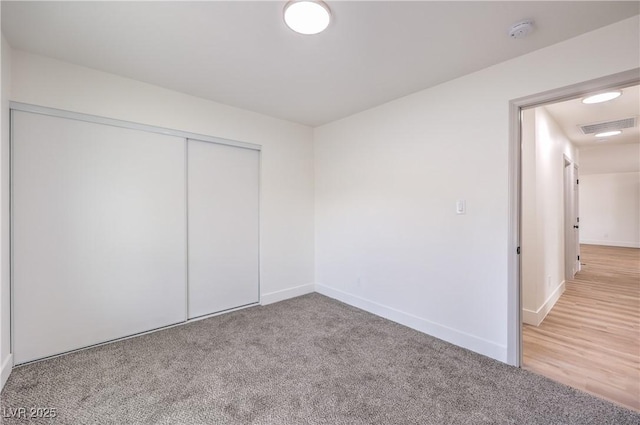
223, 204
99, 233
571, 221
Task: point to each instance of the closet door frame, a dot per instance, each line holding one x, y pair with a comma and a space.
59, 113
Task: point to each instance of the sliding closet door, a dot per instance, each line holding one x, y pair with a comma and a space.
99, 233
223, 202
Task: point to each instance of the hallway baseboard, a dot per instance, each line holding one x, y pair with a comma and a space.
534, 318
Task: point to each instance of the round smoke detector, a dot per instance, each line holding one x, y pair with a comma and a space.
521, 29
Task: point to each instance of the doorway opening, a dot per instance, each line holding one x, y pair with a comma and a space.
557, 274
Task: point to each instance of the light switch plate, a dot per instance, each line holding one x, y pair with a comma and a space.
461, 207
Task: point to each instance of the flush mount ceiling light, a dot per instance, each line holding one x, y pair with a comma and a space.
601, 97
609, 133
307, 16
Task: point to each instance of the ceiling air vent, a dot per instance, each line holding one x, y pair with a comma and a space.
608, 126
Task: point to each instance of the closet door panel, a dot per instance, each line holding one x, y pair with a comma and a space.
223, 204
99, 233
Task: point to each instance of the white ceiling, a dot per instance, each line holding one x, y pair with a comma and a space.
573, 113
241, 53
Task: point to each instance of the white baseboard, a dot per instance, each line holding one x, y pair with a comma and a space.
6, 370
534, 318
285, 294
611, 243
462, 339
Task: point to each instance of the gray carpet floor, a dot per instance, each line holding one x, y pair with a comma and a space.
308, 360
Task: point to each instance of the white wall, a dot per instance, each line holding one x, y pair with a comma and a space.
286, 161
609, 195
530, 270
543, 213
607, 159
6, 361
610, 209
387, 180
287, 202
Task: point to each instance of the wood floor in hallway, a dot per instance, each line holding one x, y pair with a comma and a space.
591, 338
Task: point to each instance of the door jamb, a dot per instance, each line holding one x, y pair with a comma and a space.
576, 210
569, 208
514, 289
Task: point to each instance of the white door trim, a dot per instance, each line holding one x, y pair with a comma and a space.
576, 212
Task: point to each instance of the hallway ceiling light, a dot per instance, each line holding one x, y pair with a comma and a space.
307, 16
601, 97
609, 133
